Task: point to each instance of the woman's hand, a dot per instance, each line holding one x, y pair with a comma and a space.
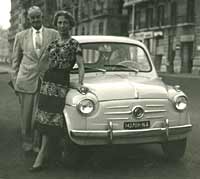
79, 87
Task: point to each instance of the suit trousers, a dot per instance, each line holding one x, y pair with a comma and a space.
28, 103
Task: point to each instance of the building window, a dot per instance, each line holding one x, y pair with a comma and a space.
137, 19
147, 42
84, 10
76, 2
101, 28
130, 19
149, 17
101, 4
120, 7
173, 13
160, 15
190, 10
94, 7
76, 14
59, 4
83, 31
94, 29
76, 31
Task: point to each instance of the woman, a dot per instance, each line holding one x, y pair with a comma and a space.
62, 55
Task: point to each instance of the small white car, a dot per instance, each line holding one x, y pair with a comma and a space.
123, 100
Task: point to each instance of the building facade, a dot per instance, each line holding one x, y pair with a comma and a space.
19, 20
170, 30
4, 46
100, 17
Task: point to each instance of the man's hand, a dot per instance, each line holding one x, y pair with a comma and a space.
10, 83
16, 93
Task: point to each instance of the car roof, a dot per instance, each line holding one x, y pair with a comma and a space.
105, 38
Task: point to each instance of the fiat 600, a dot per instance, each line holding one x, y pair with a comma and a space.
123, 101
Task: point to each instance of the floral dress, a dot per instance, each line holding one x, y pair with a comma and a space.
55, 85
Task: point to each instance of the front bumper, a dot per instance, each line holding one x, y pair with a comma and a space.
167, 132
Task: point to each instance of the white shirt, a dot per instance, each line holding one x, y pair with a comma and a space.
34, 34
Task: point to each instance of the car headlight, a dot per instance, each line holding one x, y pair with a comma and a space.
86, 106
180, 102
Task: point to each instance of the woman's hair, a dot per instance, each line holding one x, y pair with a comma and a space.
66, 14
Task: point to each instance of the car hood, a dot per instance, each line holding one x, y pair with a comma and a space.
123, 86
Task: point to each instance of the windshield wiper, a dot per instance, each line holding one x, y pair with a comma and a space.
124, 67
96, 69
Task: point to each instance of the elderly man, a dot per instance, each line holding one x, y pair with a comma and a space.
29, 63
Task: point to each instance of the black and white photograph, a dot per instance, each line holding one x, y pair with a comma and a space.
95, 89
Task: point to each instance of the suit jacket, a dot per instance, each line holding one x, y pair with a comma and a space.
27, 66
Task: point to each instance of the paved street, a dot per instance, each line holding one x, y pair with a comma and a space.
145, 161
4, 67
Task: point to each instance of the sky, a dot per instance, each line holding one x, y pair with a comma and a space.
5, 6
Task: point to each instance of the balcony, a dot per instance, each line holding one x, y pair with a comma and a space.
105, 12
84, 16
131, 2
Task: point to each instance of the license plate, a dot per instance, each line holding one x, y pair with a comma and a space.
137, 125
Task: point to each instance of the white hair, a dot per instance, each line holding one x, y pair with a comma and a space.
34, 9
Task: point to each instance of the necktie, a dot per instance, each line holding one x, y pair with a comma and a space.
38, 42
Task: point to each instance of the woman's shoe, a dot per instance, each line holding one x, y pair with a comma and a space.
36, 169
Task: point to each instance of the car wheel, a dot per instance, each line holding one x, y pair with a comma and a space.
174, 150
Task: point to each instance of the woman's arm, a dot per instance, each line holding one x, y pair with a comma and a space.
81, 70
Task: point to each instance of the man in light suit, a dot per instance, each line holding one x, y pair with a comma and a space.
29, 62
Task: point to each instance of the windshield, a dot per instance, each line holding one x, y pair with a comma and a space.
115, 57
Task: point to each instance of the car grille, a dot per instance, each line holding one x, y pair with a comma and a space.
154, 109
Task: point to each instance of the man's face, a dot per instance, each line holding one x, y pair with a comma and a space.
35, 18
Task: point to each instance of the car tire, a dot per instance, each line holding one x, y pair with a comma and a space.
174, 150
